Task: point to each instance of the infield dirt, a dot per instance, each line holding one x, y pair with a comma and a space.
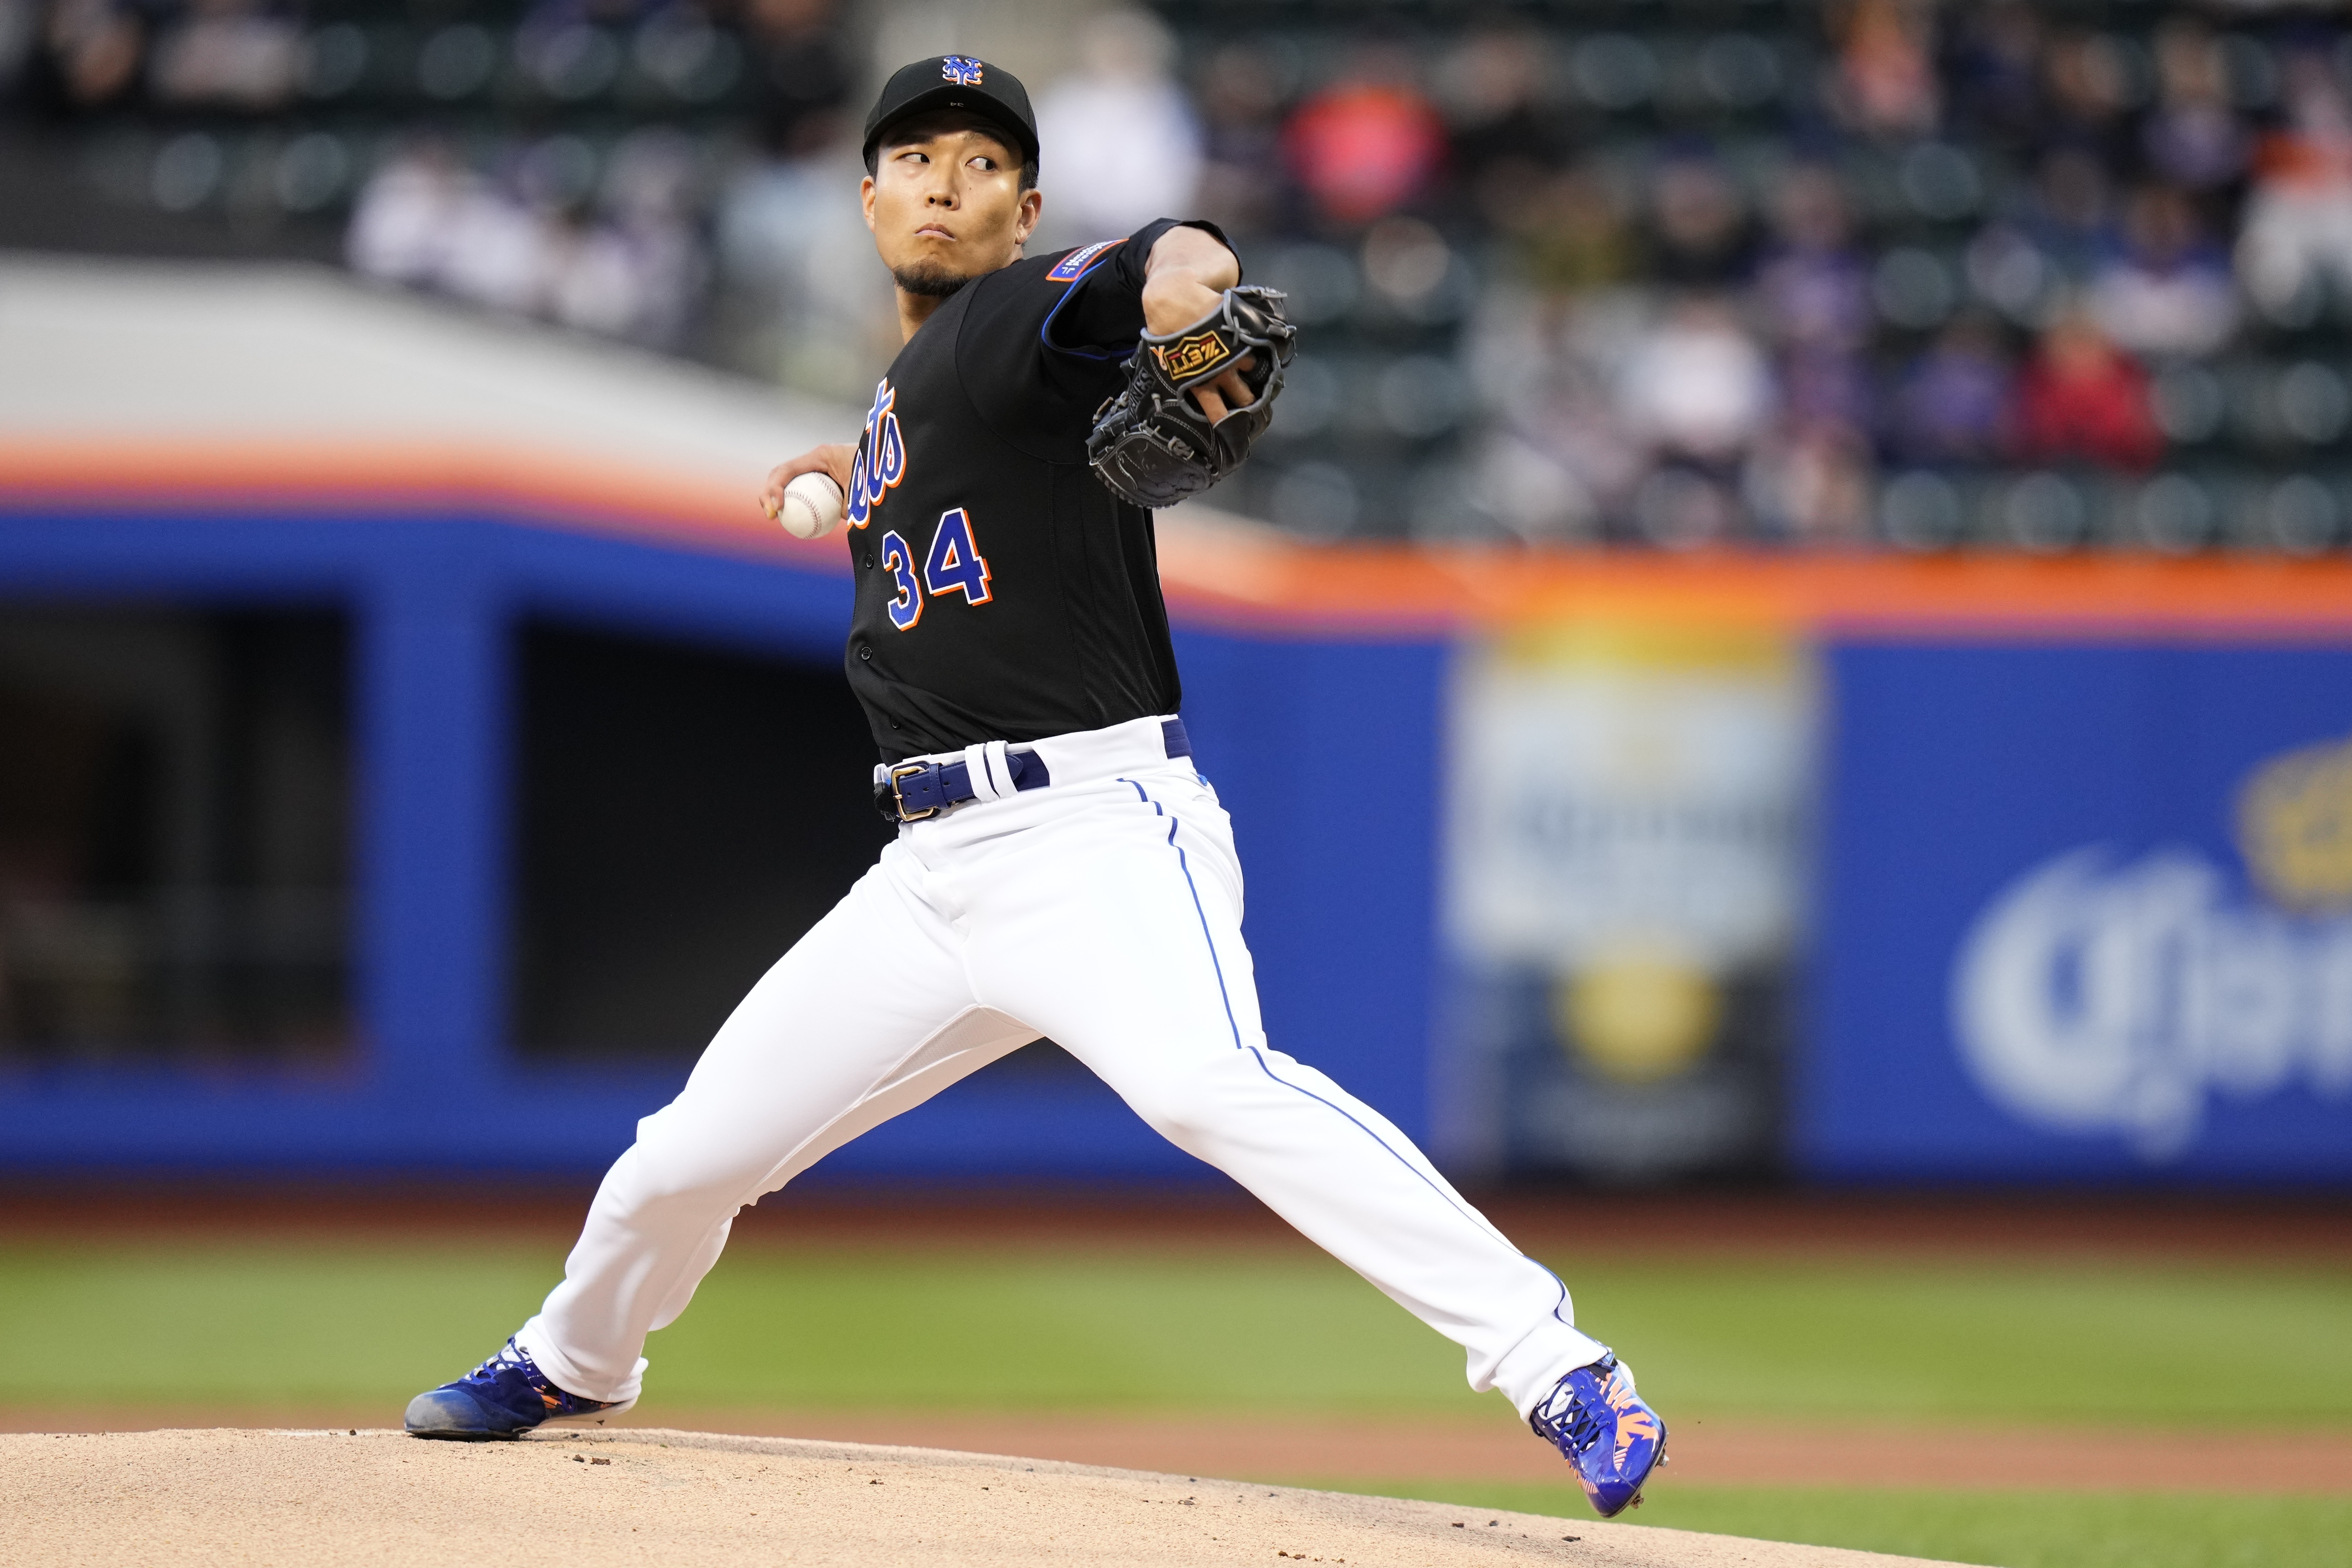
321, 1499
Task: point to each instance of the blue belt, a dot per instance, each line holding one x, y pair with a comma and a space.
910, 791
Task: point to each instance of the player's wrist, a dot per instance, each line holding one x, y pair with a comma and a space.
1175, 299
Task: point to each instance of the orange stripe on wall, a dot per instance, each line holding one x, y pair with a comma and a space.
2092, 595
1248, 578
545, 488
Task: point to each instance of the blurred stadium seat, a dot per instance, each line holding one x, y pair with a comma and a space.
1979, 271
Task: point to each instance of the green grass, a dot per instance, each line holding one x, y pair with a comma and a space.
2005, 1529
838, 1329
340, 1325
1981, 1340
1194, 1330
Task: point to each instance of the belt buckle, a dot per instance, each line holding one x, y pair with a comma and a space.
907, 770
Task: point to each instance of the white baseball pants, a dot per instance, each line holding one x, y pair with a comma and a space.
1104, 911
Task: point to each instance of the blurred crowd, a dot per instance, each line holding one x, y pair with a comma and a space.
2046, 277
555, 158
1924, 273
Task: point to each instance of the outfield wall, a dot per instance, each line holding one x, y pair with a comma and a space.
2086, 911
2025, 938
1634, 866
435, 599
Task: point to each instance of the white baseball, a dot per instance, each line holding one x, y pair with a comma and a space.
812, 507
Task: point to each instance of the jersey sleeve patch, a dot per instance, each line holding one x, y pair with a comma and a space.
1073, 266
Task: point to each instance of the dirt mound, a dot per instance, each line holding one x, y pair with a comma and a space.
321, 1499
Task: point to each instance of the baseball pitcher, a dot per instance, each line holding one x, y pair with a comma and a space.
1062, 868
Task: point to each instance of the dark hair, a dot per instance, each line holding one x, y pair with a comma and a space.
896, 137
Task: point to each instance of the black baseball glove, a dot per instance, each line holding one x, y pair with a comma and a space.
1151, 443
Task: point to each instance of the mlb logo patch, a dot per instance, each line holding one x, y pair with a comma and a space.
1074, 265
961, 69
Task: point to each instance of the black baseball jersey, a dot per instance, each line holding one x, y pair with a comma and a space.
1003, 592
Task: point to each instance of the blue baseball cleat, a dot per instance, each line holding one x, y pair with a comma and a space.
1612, 1438
504, 1396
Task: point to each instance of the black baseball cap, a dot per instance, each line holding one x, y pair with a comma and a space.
955, 81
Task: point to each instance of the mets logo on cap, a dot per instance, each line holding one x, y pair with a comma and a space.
961, 69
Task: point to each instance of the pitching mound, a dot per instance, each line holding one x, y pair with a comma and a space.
319, 1500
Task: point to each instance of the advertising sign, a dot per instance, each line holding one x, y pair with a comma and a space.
2086, 911
1623, 867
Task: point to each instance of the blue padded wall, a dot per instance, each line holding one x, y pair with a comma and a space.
1324, 752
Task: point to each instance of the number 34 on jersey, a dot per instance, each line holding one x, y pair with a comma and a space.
952, 565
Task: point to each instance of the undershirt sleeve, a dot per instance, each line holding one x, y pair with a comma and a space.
1102, 314
1037, 355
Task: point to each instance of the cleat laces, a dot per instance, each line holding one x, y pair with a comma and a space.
498, 1377
1568, 1423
